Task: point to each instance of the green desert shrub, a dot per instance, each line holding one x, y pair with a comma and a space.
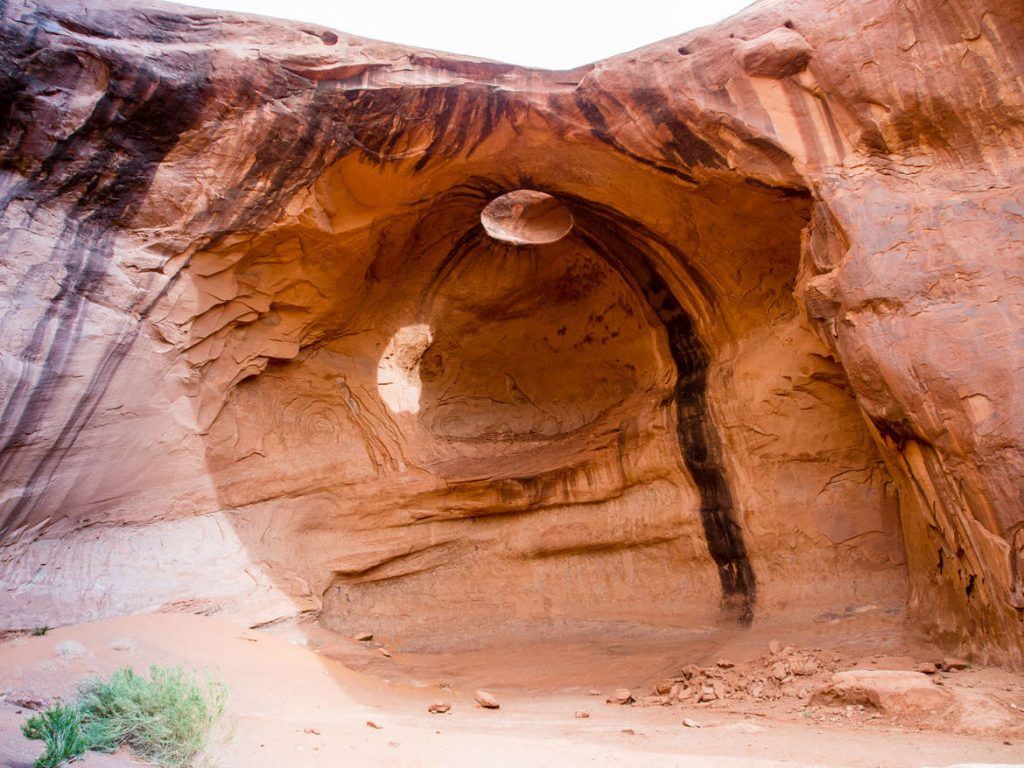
60, 730
169, 718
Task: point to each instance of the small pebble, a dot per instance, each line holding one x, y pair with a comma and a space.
486, 700
621, 696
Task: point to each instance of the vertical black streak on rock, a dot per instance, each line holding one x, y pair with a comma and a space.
686, 147
112, 159
460, 119
610, 234
599, 130
626, 245
702, 454
467, 242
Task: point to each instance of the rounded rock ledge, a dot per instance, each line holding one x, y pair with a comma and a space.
526, 217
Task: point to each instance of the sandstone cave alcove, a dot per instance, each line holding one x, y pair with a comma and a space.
542, 368
551, 382
374, 339
551, 436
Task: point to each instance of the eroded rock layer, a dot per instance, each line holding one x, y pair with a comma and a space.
745, 348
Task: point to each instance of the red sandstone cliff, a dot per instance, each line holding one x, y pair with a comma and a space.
259, 355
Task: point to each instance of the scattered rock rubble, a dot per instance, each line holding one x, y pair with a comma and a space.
811, 682
783, 672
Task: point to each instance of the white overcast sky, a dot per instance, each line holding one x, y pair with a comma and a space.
553, 34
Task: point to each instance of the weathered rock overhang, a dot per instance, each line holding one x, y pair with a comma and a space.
215, 226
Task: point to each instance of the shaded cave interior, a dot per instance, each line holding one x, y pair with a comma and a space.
612, 411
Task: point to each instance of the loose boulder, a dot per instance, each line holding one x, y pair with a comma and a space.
894, 692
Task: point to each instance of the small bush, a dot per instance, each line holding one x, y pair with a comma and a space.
40, 631
60, 729
169, 718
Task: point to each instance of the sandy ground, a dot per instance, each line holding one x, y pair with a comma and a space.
305, 699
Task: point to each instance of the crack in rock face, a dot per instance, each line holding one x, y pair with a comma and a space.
727, 329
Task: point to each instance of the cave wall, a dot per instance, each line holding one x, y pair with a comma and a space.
224, 236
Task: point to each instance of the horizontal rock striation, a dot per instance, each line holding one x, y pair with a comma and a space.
758, 358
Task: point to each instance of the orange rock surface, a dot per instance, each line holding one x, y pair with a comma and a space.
757, 356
